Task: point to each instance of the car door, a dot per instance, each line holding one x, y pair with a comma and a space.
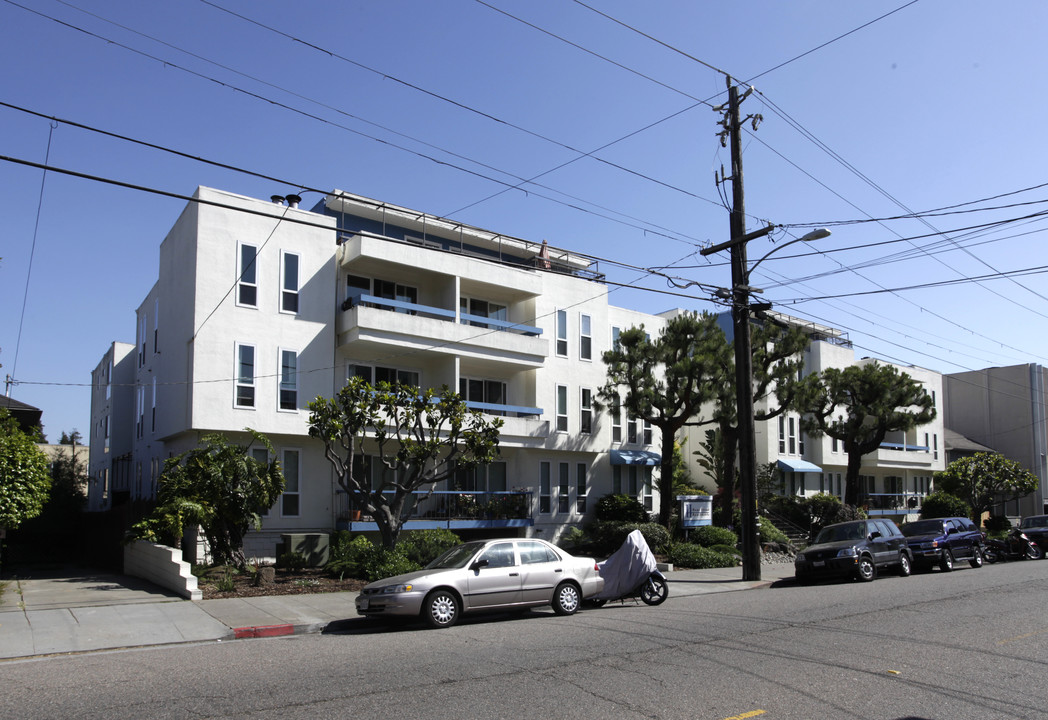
496, 581
884, 545
541, 570
957, 539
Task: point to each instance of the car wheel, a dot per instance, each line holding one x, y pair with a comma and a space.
566, 599
654, 591
441, 609
905, 568
866, 570
1033, 552
977, 558
946, 561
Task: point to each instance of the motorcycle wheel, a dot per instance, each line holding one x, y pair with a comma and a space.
654, 591
595, 603
1033, 552
990, 556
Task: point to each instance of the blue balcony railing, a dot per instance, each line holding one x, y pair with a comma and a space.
451, 509
439, 313
891, 503
904, 447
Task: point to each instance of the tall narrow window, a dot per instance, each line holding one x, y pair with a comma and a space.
586, 411
564, 489
142, 340
545, 490
791, 423
562, 333
247, 285
288, 380
289, 283
245, 390
562, 408
580, 488
782, 435
290, 501
616, 420
616, 479
645, 489
156, 326
141, 403
585, 338
153, 428
631, 429
647, 432
615, 337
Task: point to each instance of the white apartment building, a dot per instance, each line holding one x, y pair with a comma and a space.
260, 307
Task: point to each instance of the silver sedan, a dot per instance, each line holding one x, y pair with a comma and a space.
485, 575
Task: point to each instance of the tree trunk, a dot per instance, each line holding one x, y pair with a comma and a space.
666, 499
851, 479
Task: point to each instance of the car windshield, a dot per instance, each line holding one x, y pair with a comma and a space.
837, 533
922, 527
457, 557
1038, 521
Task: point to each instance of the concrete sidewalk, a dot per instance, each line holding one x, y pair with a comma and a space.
49, 615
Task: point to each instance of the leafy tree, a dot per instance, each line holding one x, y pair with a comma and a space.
776, 364
859, 406
422, 438
218, 487
73, 438
25, 481
941, 504
983, 479
666, 382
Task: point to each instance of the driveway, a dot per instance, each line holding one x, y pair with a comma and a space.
52, 588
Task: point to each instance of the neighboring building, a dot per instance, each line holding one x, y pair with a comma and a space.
958, 446
1004, 408
260, 307
894, 479
27, 416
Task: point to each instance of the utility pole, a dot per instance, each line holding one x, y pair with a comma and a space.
740, 315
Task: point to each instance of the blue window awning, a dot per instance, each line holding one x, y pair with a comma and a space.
635, 457
795, 465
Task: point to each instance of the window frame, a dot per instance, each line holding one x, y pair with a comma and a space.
585, 411
239, 380
585, 337
295, 494
247, 275
287, 293
581, 487
562, 333
283, 384
545, 487
562, 408
563, 488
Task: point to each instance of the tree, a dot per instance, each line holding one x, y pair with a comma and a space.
776, 365
859, 406
218, 487
73, 438
666, 382
25, 481
984, 479
422, 438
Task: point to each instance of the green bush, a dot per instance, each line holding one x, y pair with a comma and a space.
771, 534
423, 546
345, 552
689, 555
608, 536
620, 508
726, 550
996, 524
940, 504
291, 561
709, 535
377, 562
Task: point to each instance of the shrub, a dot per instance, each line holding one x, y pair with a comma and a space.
725, 550
344, 553
423, 546
377, 562
997, 524
771, 534
940, 504
689, 555
709, 535
608, 536
293, 561
620, 508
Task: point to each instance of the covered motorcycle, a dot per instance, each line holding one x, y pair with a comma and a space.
631, 571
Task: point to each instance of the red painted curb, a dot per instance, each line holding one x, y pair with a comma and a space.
259, 631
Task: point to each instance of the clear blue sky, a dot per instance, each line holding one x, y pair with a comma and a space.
444, 106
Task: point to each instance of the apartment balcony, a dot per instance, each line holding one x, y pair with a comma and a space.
384, 323
881, 504
903, 454
520, 425
449, 509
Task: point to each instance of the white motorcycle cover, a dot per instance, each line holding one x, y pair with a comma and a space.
627, 568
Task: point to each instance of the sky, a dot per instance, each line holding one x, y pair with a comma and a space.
909, 129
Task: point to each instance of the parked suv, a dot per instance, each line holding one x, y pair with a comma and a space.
942, 541
855, 549
1036, 528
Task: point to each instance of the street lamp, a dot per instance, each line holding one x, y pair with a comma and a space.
740, 312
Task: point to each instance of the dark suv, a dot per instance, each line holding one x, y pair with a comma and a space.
1036, 528
942, 541
854, 549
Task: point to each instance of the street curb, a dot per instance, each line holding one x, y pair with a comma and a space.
260, 631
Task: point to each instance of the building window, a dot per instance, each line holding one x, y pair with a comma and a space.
935, 447
631, 429
142, 340
647, 432
141, 411
616, 421
389, 290
476, 308
247, 285
288, 380
791, 423
153, 419
156, 326
290, 501
245, 374
562, 408
586, 411
585, 338
615, 332
489, 392
289, 283
835, 445
544, 487
580, 488
645, 488
782, 435
375, 375
564, 489
562, 333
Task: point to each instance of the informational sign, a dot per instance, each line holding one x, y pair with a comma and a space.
695, 510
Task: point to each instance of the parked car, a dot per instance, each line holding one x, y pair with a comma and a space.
1036, 528
858, 549
497, 574
942, 541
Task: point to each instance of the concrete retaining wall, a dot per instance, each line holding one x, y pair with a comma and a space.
162, 566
